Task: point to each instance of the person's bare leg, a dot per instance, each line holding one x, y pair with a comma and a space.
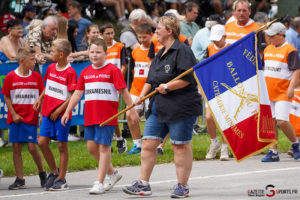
287, 129
47, 153
116, 5
148, 158
33, 150
134, 128
274, 146
183, 159
210, 123
17, 157
104, 162
93, 148
64, 159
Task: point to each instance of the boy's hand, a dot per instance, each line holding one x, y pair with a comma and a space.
17, 118
290, 92
138, 100
37, 104
64, 119
54, 115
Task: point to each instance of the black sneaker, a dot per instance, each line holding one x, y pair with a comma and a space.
18, 184
43, 178
50, 180
122, 145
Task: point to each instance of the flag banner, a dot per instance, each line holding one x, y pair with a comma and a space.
233, 85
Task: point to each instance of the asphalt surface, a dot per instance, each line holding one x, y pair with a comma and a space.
209, 180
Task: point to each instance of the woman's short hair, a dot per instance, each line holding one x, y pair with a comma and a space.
24, 52
62, 45
12, 23
99, 42
137, 15
171, 23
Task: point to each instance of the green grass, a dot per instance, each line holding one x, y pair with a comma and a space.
80, 159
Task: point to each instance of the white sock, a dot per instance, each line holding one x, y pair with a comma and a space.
145, 182
274, 151
138, 142
119, 138
224, 146
214, 141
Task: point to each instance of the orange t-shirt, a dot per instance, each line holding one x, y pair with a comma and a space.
141, 69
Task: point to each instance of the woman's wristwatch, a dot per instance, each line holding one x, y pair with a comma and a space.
166, 88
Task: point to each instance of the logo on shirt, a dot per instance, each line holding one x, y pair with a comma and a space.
167, 68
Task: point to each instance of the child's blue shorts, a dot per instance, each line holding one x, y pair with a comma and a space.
102, 135
22, 133
54, 129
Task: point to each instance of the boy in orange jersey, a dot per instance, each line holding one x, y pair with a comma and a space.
140, 71
219, 43
282, 73
116, 55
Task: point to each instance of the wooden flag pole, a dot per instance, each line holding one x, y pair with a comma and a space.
176, 78
146, 97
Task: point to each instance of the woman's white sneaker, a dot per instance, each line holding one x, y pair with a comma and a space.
112, 180
97, 188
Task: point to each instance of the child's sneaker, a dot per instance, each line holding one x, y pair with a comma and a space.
18, 184
134, 150
122, 145
97, 188
59, 185
43, 178
213, 150
137, 188
50, 181
271, 157
180, 191
224, 154
160, 151
112, 180
296, 151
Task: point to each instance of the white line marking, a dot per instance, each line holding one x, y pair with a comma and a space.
166, 181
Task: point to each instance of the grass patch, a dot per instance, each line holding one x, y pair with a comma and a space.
80, 159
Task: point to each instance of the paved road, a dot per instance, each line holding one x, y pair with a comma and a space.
209, 180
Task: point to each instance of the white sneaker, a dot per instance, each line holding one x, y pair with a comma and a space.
213, 150
73, 138
224, 154
97, 188
112, 180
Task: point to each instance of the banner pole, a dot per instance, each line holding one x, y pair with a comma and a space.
146, 97
267, 25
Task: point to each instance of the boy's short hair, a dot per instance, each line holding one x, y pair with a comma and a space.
24, 52
63, 45
75, 4
143, 28
105, 26
99, 42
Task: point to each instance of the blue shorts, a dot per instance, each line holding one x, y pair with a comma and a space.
181, 131
102, 135
55, 130
22, 133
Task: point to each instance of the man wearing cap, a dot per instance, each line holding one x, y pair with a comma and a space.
242, 25
28, 15
282, 71
188, 26
217, 36
201, 39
